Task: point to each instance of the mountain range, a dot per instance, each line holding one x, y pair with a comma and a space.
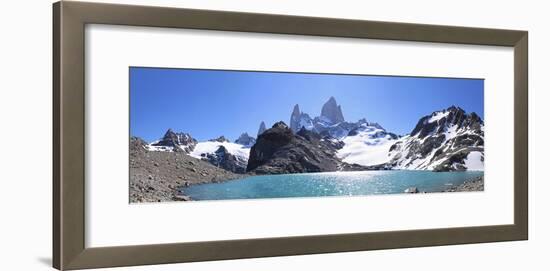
446, 140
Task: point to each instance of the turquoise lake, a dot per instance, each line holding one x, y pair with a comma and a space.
356, 183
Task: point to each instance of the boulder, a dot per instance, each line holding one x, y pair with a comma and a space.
412, 190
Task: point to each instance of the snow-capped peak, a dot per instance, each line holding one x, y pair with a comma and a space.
445, 140
172, 141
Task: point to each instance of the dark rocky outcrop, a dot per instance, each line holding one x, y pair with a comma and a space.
278, 150
171, 140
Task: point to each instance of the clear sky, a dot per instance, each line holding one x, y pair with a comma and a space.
210, 103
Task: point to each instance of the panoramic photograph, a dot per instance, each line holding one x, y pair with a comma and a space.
200, 135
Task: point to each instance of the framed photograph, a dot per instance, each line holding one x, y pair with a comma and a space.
189, 135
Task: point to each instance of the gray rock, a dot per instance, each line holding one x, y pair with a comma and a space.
332, 111
182, 198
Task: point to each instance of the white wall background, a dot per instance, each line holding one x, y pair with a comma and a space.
25, 121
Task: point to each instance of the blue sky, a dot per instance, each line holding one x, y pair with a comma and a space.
210, 103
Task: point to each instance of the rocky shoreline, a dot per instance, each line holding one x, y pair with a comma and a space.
477, 184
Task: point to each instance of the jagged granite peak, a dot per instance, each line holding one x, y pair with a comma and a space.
296, 110
262, 128
220, 139
245, 140
295, 118
331, 123
332, 111
175, 141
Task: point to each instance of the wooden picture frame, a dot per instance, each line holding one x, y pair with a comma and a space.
69, 20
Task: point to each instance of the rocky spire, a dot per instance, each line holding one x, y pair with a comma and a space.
296, 110
332, 111
295, 118
262, 128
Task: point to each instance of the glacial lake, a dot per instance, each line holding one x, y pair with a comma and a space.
356, 183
